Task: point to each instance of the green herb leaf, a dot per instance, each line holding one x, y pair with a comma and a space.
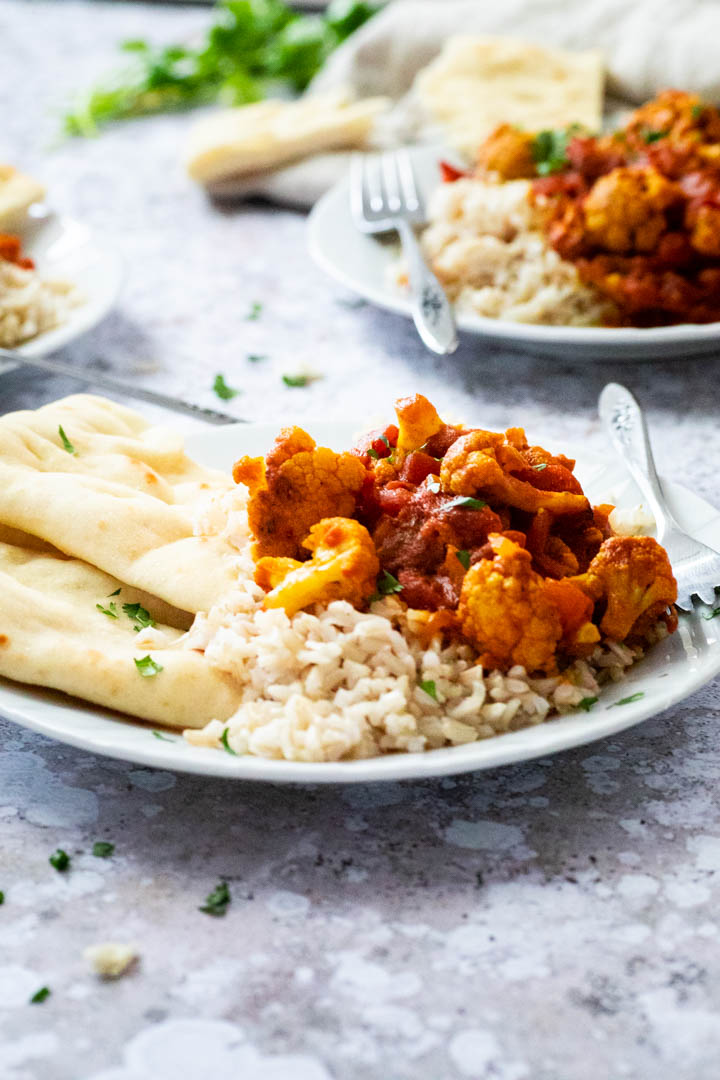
102, 849
216, 902
298, 380
224, 741
653, 136
116, 593
428, 685
139, 615
60, 860
159, 735
697, 111
466, 501
463, 557
256, 358
713, 614
67, 445
373, 454
549, 150
111, 610
628, 700
40, 995
255, 311
2, 897
388, 584
587, 703
223, 391
539, 468
148, 667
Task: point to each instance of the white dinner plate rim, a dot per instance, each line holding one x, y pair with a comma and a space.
176, 755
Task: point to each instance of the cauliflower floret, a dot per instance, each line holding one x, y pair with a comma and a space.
625, 209
344, 566
509, 153
632, 574
418, 421
481, 463
506, 613
297, 485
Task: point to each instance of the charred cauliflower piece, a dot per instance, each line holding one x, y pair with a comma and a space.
418, 421
482, 463
344, 566
625, 210
505, 612
297, 485
633, 577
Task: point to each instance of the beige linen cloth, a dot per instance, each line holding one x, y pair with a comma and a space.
649, 45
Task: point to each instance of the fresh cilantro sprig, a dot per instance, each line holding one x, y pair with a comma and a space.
463, 557
386, 584
587, 703
138, 615
40, 995
111, 610
466, 501
628, 700
428, 687
60, 860
103, 849
222, 390
216, 902
549, 149
147, 667
66, 444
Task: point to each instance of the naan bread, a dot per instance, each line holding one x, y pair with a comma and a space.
17, 193
125, 501
256, 138
477, 83
52, 635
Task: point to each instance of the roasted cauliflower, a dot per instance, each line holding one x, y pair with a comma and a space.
632, 577
297, 485
507, 153
344, 566
506, 613
418, 421
625, 210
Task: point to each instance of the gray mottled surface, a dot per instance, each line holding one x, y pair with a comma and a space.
547, 921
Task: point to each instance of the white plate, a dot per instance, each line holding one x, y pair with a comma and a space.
363, 264
64, 248
671, 671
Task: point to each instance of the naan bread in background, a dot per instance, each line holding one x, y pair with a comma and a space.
125, 501
477, 83
261, 137
53, 635
17, 193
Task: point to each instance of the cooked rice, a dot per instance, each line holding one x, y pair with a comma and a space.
30, 305
335, 683
485, 244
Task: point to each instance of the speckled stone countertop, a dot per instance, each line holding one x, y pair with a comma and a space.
549, 921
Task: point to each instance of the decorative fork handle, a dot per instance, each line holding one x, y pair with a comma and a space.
431, 310
624, 422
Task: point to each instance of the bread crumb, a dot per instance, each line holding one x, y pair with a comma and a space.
111, 960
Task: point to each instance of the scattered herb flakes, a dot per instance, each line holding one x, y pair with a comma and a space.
67, 445
428, 686
256, 358
216, 902
697, 111
139, 615
466, 501
388, 584
103, 849
255, 311
587, 703
2, 897
226, 744
463, 557
628, 700
159, 735
434, 486
223, 391
539, 468
373, 454
713, 614
147, 667
111, 610
549, 151
651, 137
116, 593
40, 995
300, 380
60, 860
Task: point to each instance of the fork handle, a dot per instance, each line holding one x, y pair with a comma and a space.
431, 310
624, 422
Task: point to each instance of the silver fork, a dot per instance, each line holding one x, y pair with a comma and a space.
384, 197
695, 565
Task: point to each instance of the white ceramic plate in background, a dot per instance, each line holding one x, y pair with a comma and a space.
364, 264
64, 248
671, 671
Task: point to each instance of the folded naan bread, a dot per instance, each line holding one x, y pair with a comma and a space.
117, 493
52, 634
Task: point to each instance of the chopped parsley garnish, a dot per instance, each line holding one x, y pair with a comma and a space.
697, 111
713, 614
466, 501
67, 445
387, 584
111, 610
373, 454
463, 557
116, 593
159, 735
297, 380
549, 150
539, 468
223, 391
256, 358
102, 849
226, 744
255, 311
628, 700
139, 615
60, 860
428, 686
2, 897
653, 136
40, 995
434, 486
148, 667
216, 902
587, 703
